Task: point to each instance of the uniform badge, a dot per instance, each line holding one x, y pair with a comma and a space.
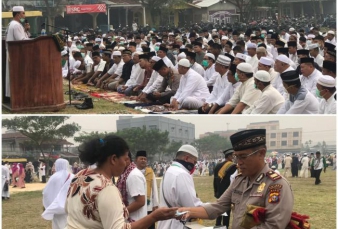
274, 197
260, 177
273, 176
261, 187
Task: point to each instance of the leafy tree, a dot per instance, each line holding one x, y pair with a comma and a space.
171, 149
42, 130
53, 9
212, 144
85, 136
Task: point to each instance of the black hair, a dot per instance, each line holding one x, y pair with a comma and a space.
77, 54
330, 89
212, 60
97, 150
15, 13
240, 43
237, 49
265, 83
296, 83
249, 75
303, 39
262, 45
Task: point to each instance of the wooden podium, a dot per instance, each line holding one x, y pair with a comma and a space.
35, 76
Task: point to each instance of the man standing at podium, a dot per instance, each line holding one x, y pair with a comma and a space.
15, 32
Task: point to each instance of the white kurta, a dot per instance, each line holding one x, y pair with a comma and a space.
319, 60
136, 76
192, 86
137, 186
179, 191
302, 103
310, 82
228, 93
15, 32
168, 62
154, 83
198, 68
5, 177
116, 69
269, 102
210, 75
253, 61
246, 93
219, 88
327, 106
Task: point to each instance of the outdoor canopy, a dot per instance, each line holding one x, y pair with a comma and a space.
27, 14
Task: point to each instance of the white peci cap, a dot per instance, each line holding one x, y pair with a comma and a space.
245, 67
188, 149
18, 9
263, 76
326, 81
184, 62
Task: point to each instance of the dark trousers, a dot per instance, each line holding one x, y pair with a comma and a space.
294, 170
312, 171
152, 226
317, 175
200, 111
223, 220
163, 99
43, 179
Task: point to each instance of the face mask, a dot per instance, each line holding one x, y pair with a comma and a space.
259, 43
22, 20
189, 166
263, 35
318, 94
205, 63
255, 85
236, 77
175, 52
157, 48
83, 55
308, 42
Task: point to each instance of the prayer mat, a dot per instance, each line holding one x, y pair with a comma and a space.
160, 109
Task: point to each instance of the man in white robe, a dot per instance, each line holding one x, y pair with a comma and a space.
192, 91
326, 91
15, 32
300, 101
270, 101
309, 75
5, 181
191, 56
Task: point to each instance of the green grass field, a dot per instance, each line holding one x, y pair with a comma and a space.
24, 210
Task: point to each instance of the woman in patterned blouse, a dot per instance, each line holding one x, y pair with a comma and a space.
93, 201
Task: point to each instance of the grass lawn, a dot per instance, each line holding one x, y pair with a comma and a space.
101, 106
24, 209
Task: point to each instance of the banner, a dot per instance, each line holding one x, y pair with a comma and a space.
82, 9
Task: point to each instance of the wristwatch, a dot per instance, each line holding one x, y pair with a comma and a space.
211, 104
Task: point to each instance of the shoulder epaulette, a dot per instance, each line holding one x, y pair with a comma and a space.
273, 175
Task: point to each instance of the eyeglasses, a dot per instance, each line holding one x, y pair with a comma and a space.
243, 157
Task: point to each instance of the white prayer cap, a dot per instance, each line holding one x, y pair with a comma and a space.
76, 38
75, 50
86, 42
182, 47
252, 35
143, 43
241, 56
121, 48
104, 35
266, 61
64, 52
109, 37
18, 9
263, 31
245, 67
158, 43
241, 35
69, 39
212, 56
291, 29
313, 46
97, 39
149, 35
261, 49
122, 39
271, 30
251, 46
184, 62
138, 53
139, 50
283, 59
263, 76
182, 55
116, 48
102, 46
311, 36
214, 30
305, 154
225, 38
189, 149
116, 53
223, 60
77, 64
151, 32
155, 58
326, 81
330, 32
171, 34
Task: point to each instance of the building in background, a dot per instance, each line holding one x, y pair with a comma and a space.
178, 130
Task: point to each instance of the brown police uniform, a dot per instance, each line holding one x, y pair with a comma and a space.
268, 190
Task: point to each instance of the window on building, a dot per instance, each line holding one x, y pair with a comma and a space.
284, 143
273, 127
284, 135
296, 134
295, 142
273, 143
172, 129
153, 127
273, 135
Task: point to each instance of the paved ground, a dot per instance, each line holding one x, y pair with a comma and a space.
29, 187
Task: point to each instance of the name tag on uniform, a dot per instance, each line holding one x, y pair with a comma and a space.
238, 192
256, 194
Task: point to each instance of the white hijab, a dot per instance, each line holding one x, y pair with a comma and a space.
55, 192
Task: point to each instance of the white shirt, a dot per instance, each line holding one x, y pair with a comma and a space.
310, 82
276, 80
245, 93
116, 69
319, 60
227, 93
219, 88
333, 41
100, 67
327, 107
179, 191
254, 62
137, 186
305, 162
168, 62
88, 63
210, 75
192, 84
318, 163
154, 201
154, 83
294, 58
269, 102
303, 103
198, 68
136, 76
16, 32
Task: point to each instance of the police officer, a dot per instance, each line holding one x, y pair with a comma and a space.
257, 185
